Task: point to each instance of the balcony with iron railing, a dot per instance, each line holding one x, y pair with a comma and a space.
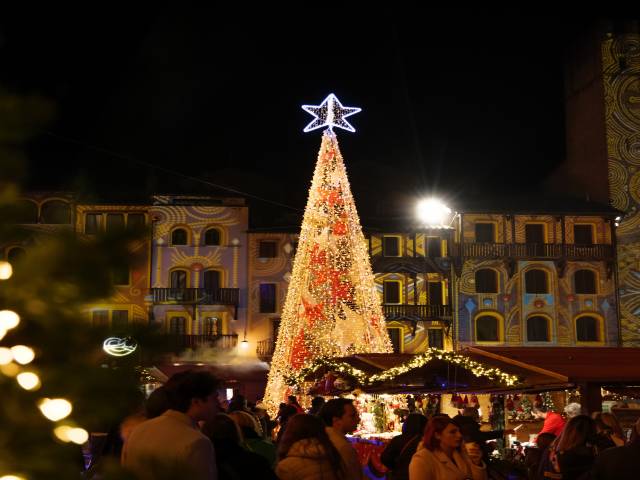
417, 312
178, 342
535, 250
265, 349
198, 296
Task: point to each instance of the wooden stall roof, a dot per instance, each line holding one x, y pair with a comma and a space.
421, 379
604, 365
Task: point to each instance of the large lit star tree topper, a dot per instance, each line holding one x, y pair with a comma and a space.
332, 308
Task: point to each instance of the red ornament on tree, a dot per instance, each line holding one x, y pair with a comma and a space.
538, 303
509, 404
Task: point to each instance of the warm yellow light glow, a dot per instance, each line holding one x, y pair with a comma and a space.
55, 408
5, 270
432, 212
28, 380
22, 354
78, 435
3, 332
8, 319
10, 369
12, 477
244, 344
67, 434
6, 356
62, 432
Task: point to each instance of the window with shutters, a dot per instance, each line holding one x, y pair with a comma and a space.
487, 329
486, 281
267, 298
538, 329
584, 282
485, 233
536, 281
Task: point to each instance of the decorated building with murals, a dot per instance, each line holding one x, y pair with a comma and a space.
270, 262
541, 276
198, 269
128, 304
413, 275
602, 92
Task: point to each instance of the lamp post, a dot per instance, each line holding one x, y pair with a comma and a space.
432, 213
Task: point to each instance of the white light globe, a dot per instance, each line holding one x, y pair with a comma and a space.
22, 354
433, 212
6, 357
55, 408
8, 319
5, 270
78, 435
28, 380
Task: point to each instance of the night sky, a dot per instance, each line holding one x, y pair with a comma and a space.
453, 102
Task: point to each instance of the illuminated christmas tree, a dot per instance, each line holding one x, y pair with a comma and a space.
332, 308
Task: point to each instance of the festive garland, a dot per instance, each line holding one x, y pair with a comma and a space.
418, 361
340, 367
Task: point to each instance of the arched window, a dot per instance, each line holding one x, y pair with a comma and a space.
584, 281
211, 280
212, 237
15, 254
179, 237
536, 281
179, 279
588, 329
486, 281
55, 212
537, 329
487, 329
27, 212
178, 326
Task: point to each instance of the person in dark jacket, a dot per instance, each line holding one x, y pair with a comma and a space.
397, 455
233, 461
620, 463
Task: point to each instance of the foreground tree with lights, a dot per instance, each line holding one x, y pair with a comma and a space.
332, 308
54, 390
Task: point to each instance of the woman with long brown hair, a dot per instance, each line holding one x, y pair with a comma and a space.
572, 454
442, 455
306, 453
610, 432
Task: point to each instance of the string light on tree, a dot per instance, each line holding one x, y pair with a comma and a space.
332, 308
330, 113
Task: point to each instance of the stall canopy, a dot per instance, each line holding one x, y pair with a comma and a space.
469, 370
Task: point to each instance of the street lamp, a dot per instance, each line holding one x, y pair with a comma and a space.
433, 213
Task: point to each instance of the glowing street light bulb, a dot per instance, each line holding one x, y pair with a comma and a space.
244, 344
22, 354
55, 408
5, 270
28, 380
8, 319
433, 212
12, 477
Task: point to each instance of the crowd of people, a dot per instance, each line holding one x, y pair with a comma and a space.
185, 432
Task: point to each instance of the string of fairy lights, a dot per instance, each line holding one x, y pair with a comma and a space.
418, 361
16, 361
